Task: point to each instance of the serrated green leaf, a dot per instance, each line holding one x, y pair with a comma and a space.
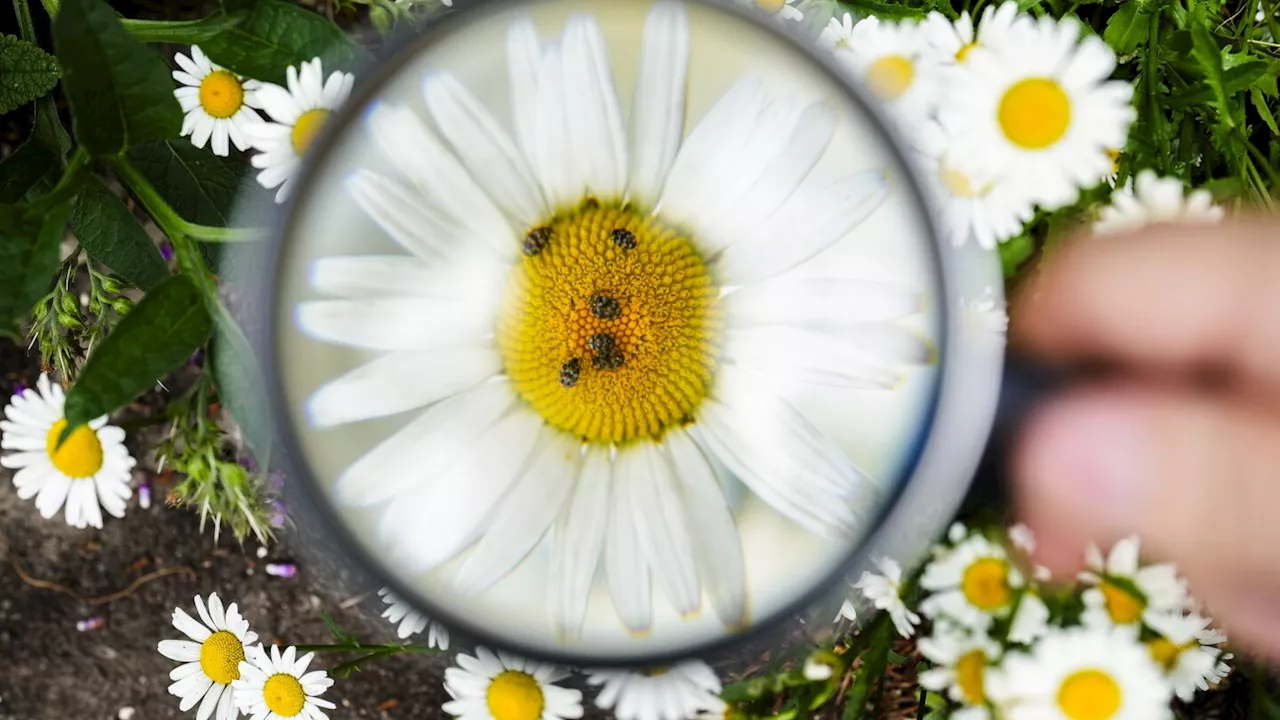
199, 185
1260, 104
158, 335
25, 170
1127, 28
1205, 51
1236, 80
241, 388
120, 91
276, 35
114, 237
28, 73
28, 258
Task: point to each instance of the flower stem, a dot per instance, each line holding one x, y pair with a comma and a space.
26, 29
183, 32
355, 647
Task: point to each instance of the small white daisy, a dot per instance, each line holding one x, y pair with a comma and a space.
781, 9
894, 62
278, 685
499, 686
89, 472
218, 103
411, 622
1124, 592
884, 591
838, 34
1150, 198
1080, 674
211, 658
961, 660
954, 41
847, 612
1187, 650
972, 584
1038, 111
298, 113
670, 693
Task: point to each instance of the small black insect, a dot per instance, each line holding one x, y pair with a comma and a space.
624, 239
590, 204
611, 359
601, 342
604, 307
536, 240
569, 372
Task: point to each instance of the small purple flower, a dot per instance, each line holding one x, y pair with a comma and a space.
275, 481
248, 463
92, 623
282, 570
19, 389
144, 494
279, 512
166, 250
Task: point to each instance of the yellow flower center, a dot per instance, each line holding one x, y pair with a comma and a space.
770, 6
1165, 653
220, 657
221, 94
80, 456
284, 695
1035, 113
986, 584
306, 129
1089, 695
1123, 606
609, 324
964, 51
514, 696
891, 75
1114, 154
969, 676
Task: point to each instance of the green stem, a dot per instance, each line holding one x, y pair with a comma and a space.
352, 647
207, 233
26, 28
1270, 11
52, 7
183, 32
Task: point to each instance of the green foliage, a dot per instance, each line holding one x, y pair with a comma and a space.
874, 661
1128, 28
120, 91
199, 185
240, 385
114, 237
28, 257
28, 73
277, 34
160, 334
30, 171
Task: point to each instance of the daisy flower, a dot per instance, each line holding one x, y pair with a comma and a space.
781, 9
1037, 111
961, 660
211, 658
89, 472
298, 114
1153, 199
278, 685
1080, 674
847, 612
411, 622
499, 686
884, 591
218, 103
954, 41
671, 693
1187, 650
1126, 593
971, 584
523, 431
838, 34
894, 62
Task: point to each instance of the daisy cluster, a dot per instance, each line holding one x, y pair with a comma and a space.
1123, 642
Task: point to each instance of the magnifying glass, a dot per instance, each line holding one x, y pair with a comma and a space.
617, 332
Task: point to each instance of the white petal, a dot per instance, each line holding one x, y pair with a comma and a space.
52, 494
210, 701
394, 323
524, 58
551, 160
657, 113
189, 67
624, 563
182, 651
221, 141
599, 142
202, 130
659, 518
820, 302
362, 276
860, 356
579, 535
409, 218
189, 626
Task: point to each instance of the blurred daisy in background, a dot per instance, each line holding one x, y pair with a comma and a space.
894, 61
1149, 198
278, 686
953, 41
218, 103
1124, 592
838, 34
781, 9
972, 584
88, 472
489, 686
884, 591
211, 658
669, 693
1188, 651
960, 660
409, 622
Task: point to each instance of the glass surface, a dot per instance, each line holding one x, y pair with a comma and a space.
773, 326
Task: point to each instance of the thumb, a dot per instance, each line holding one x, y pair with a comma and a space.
1196, 477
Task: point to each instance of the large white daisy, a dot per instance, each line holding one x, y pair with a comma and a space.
894, 60
670, 693
601, 326
410, 622
211, 658
1149, 198
297, 113
1187, 649
89, 472
1125, 592
277, 686
218, 103
499, 686
1037, 110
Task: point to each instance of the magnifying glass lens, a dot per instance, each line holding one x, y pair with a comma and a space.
608, 329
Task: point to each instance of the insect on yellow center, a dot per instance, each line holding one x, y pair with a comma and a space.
220, 657
80, 456
891, 75
963, 53
221, 94
1034, 113
970, 669
514, 696
986, 584
306, 129
283, 695
1089, 695
609, 325
1123, 606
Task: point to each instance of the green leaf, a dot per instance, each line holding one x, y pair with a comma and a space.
276, 35
1236, 80
120, 91
31, 169
48, 129
871, 673
1014, 252
28, 73
1127, 28
28, 258
199, 185
241, 388
114, 237
158, 335
1204, 49
1259, 104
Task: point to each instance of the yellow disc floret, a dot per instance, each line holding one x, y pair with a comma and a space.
986, 584
1089, 695
306, 128
515, 696
220, 656
970, 676
283, 695
80, 456
609, 325
891, 75
1123, 606
221, 94
1035, 113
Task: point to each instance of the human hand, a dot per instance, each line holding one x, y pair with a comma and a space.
1185, 449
